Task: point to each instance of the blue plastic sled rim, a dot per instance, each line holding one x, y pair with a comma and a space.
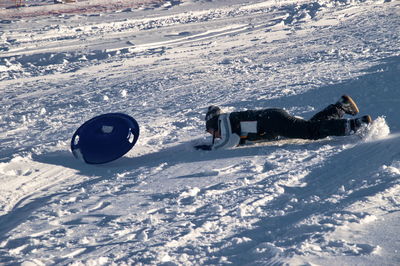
105, 138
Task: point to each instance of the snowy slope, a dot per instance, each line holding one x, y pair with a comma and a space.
334, 201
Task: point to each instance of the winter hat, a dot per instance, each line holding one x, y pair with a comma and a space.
211, 118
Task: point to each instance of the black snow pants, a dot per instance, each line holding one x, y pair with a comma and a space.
274, 122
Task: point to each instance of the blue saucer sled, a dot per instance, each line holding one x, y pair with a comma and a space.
105, 138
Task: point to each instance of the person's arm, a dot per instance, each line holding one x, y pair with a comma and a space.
228, 139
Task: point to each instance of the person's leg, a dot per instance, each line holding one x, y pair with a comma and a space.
332, 111
345, 105
277, 122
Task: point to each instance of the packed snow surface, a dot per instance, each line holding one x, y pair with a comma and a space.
334, 201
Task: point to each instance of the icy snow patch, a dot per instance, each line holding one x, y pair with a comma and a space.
393, 169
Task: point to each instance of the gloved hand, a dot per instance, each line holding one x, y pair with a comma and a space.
203, 147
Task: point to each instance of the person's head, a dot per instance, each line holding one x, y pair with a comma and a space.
211, 118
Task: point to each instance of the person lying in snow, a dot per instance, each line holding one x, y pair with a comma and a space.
236, 128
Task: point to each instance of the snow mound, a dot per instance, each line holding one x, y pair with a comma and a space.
379, 129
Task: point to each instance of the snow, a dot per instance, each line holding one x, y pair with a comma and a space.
334, 201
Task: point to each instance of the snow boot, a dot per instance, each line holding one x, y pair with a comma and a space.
347, 104
355, 124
